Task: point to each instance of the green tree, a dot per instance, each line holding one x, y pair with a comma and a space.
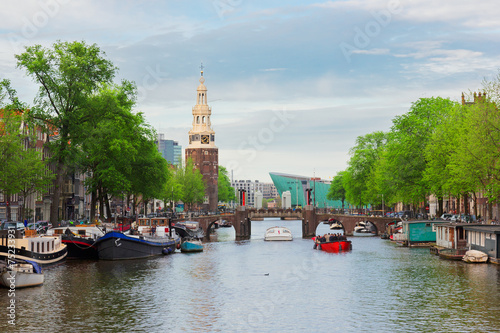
193, 186
408, 140
337, 190
149, 170
226, 192
477, 156
360, 171
173, 189
67, 74
22, 169
111, 143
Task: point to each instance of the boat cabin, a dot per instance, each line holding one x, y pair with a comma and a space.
153, 225
484, 238
35, 243
451, 236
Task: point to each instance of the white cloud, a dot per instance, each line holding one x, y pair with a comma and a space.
372, 51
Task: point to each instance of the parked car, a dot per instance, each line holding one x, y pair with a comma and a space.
6, 225
446, 216
40, 226
455, 218
466, 218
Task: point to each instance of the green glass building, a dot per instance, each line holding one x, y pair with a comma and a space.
297, 186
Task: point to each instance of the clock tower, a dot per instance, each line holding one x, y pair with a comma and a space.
202, 149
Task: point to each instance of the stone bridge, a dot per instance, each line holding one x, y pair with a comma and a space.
284, 214
241, 220
311, 220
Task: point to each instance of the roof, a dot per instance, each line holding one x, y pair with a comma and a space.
426, 221
459, 224
492, 229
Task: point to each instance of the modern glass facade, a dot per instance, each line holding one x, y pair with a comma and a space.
170, 150
297, 186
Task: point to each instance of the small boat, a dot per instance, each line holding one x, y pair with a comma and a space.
364, 229
335, 224
20, 274
339, 245
193, 245
278, 234
225, 224
451, 254
475, 256
188, 229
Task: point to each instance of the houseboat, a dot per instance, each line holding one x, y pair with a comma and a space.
81, 240
451, 241
418, 233
148, 237
484, 238
28, 245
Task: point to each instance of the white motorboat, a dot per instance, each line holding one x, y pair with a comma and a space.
20, 274
336, 225
364, 229
278, 234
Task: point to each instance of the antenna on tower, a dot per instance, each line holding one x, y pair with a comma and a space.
201, 67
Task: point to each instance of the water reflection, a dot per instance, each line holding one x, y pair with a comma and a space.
266, 286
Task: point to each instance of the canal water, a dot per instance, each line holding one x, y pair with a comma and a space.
258, 286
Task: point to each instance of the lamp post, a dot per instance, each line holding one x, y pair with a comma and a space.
383, 207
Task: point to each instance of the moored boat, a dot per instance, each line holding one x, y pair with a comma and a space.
278, 234
451, 254
193, 245
20, 274
475, 256
364, 229
188, 229
335, 224
41, 249
81, 240
148, 237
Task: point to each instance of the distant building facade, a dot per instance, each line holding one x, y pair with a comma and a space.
170, 150
297, 186
268, 191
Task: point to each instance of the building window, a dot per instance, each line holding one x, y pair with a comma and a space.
198, 119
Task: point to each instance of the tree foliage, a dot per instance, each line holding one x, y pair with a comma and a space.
362, 164
22, 168
68, 74
226, 192
408, 141
193, 186
336, 191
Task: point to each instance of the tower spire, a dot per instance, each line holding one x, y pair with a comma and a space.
201, 68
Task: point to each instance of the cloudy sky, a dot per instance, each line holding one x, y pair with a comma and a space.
291, 83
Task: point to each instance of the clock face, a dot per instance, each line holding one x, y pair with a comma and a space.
205, 139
